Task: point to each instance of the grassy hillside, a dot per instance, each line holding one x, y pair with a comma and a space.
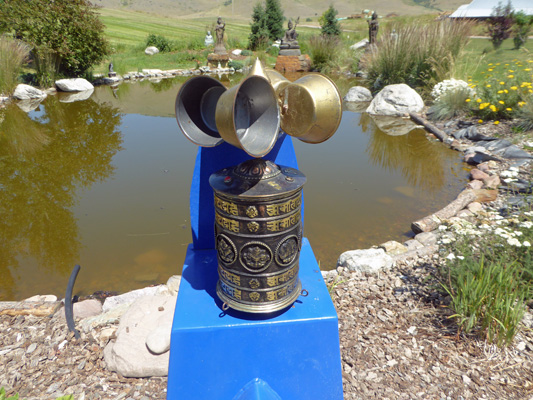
242, 9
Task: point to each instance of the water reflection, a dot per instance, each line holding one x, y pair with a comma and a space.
44, 160
105, 183
412, 154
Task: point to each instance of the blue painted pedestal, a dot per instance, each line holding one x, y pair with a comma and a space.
217, 355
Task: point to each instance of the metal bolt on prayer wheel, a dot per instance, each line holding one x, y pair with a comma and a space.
258, 232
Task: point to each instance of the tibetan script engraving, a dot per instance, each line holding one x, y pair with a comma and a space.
228, 224
281, 224
226, 206
285, 277
278, 209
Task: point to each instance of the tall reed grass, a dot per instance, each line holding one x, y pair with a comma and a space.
13, 55
329, 54
415, 54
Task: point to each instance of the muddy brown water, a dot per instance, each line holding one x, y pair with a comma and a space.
104, 183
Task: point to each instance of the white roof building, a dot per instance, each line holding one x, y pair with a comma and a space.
484, 8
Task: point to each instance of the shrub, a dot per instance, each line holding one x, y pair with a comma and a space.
258, 38
328, 22
324, 51
273, 51
501, 93
195, 44
491, 276
521, 29
47, 64
451, 103
162, 43
525, 113
236, 65
247, 53
418, 55
71, 29
499, 24
13, 55
274, 19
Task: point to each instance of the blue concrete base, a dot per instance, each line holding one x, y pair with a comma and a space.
215, 354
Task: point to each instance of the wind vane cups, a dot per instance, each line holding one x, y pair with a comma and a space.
250, 114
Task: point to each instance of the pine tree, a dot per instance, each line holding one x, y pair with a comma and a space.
274, 19
259, 34
328, 23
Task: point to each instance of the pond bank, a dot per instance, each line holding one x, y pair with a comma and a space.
395, 340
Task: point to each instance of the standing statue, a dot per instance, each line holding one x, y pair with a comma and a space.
208, 41
289, 44
219, 31
373, 26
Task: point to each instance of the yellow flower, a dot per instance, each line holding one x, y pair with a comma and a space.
502, 83
501, 102
511, 70
496, 122
493, 108
505, 91
500, 91
467, 100
490, 69
527, 69
490, 63
521, 103
479, 100
480, 121
510, 76
514, 88
508, 109
488, 85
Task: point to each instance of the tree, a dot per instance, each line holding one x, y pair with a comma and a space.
521, 29
500, 23
259, 34
274, 19
328, 22
70, 29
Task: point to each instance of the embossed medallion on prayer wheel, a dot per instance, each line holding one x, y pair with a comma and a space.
258, 232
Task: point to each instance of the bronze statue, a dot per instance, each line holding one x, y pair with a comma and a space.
373, 26
219, 30
289, 44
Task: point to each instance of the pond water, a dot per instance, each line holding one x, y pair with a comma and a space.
104, 183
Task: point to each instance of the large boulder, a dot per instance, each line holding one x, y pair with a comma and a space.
396, 100
368, 260
358, 94
27, 92
151, 50
74, 85
147, 322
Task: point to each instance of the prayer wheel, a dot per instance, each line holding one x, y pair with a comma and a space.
258, 235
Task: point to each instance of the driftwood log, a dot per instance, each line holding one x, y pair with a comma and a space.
466, 197
36, 308
443, 136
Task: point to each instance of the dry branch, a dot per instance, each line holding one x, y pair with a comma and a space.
36, 308
429, 126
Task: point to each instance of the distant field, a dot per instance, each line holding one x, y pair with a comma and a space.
239, 9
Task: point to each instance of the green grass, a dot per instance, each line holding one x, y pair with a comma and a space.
479, 53
489, 273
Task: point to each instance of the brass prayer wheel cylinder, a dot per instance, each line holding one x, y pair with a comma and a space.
258, 232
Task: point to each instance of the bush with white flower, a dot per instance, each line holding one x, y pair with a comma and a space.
450, 85
487, 270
